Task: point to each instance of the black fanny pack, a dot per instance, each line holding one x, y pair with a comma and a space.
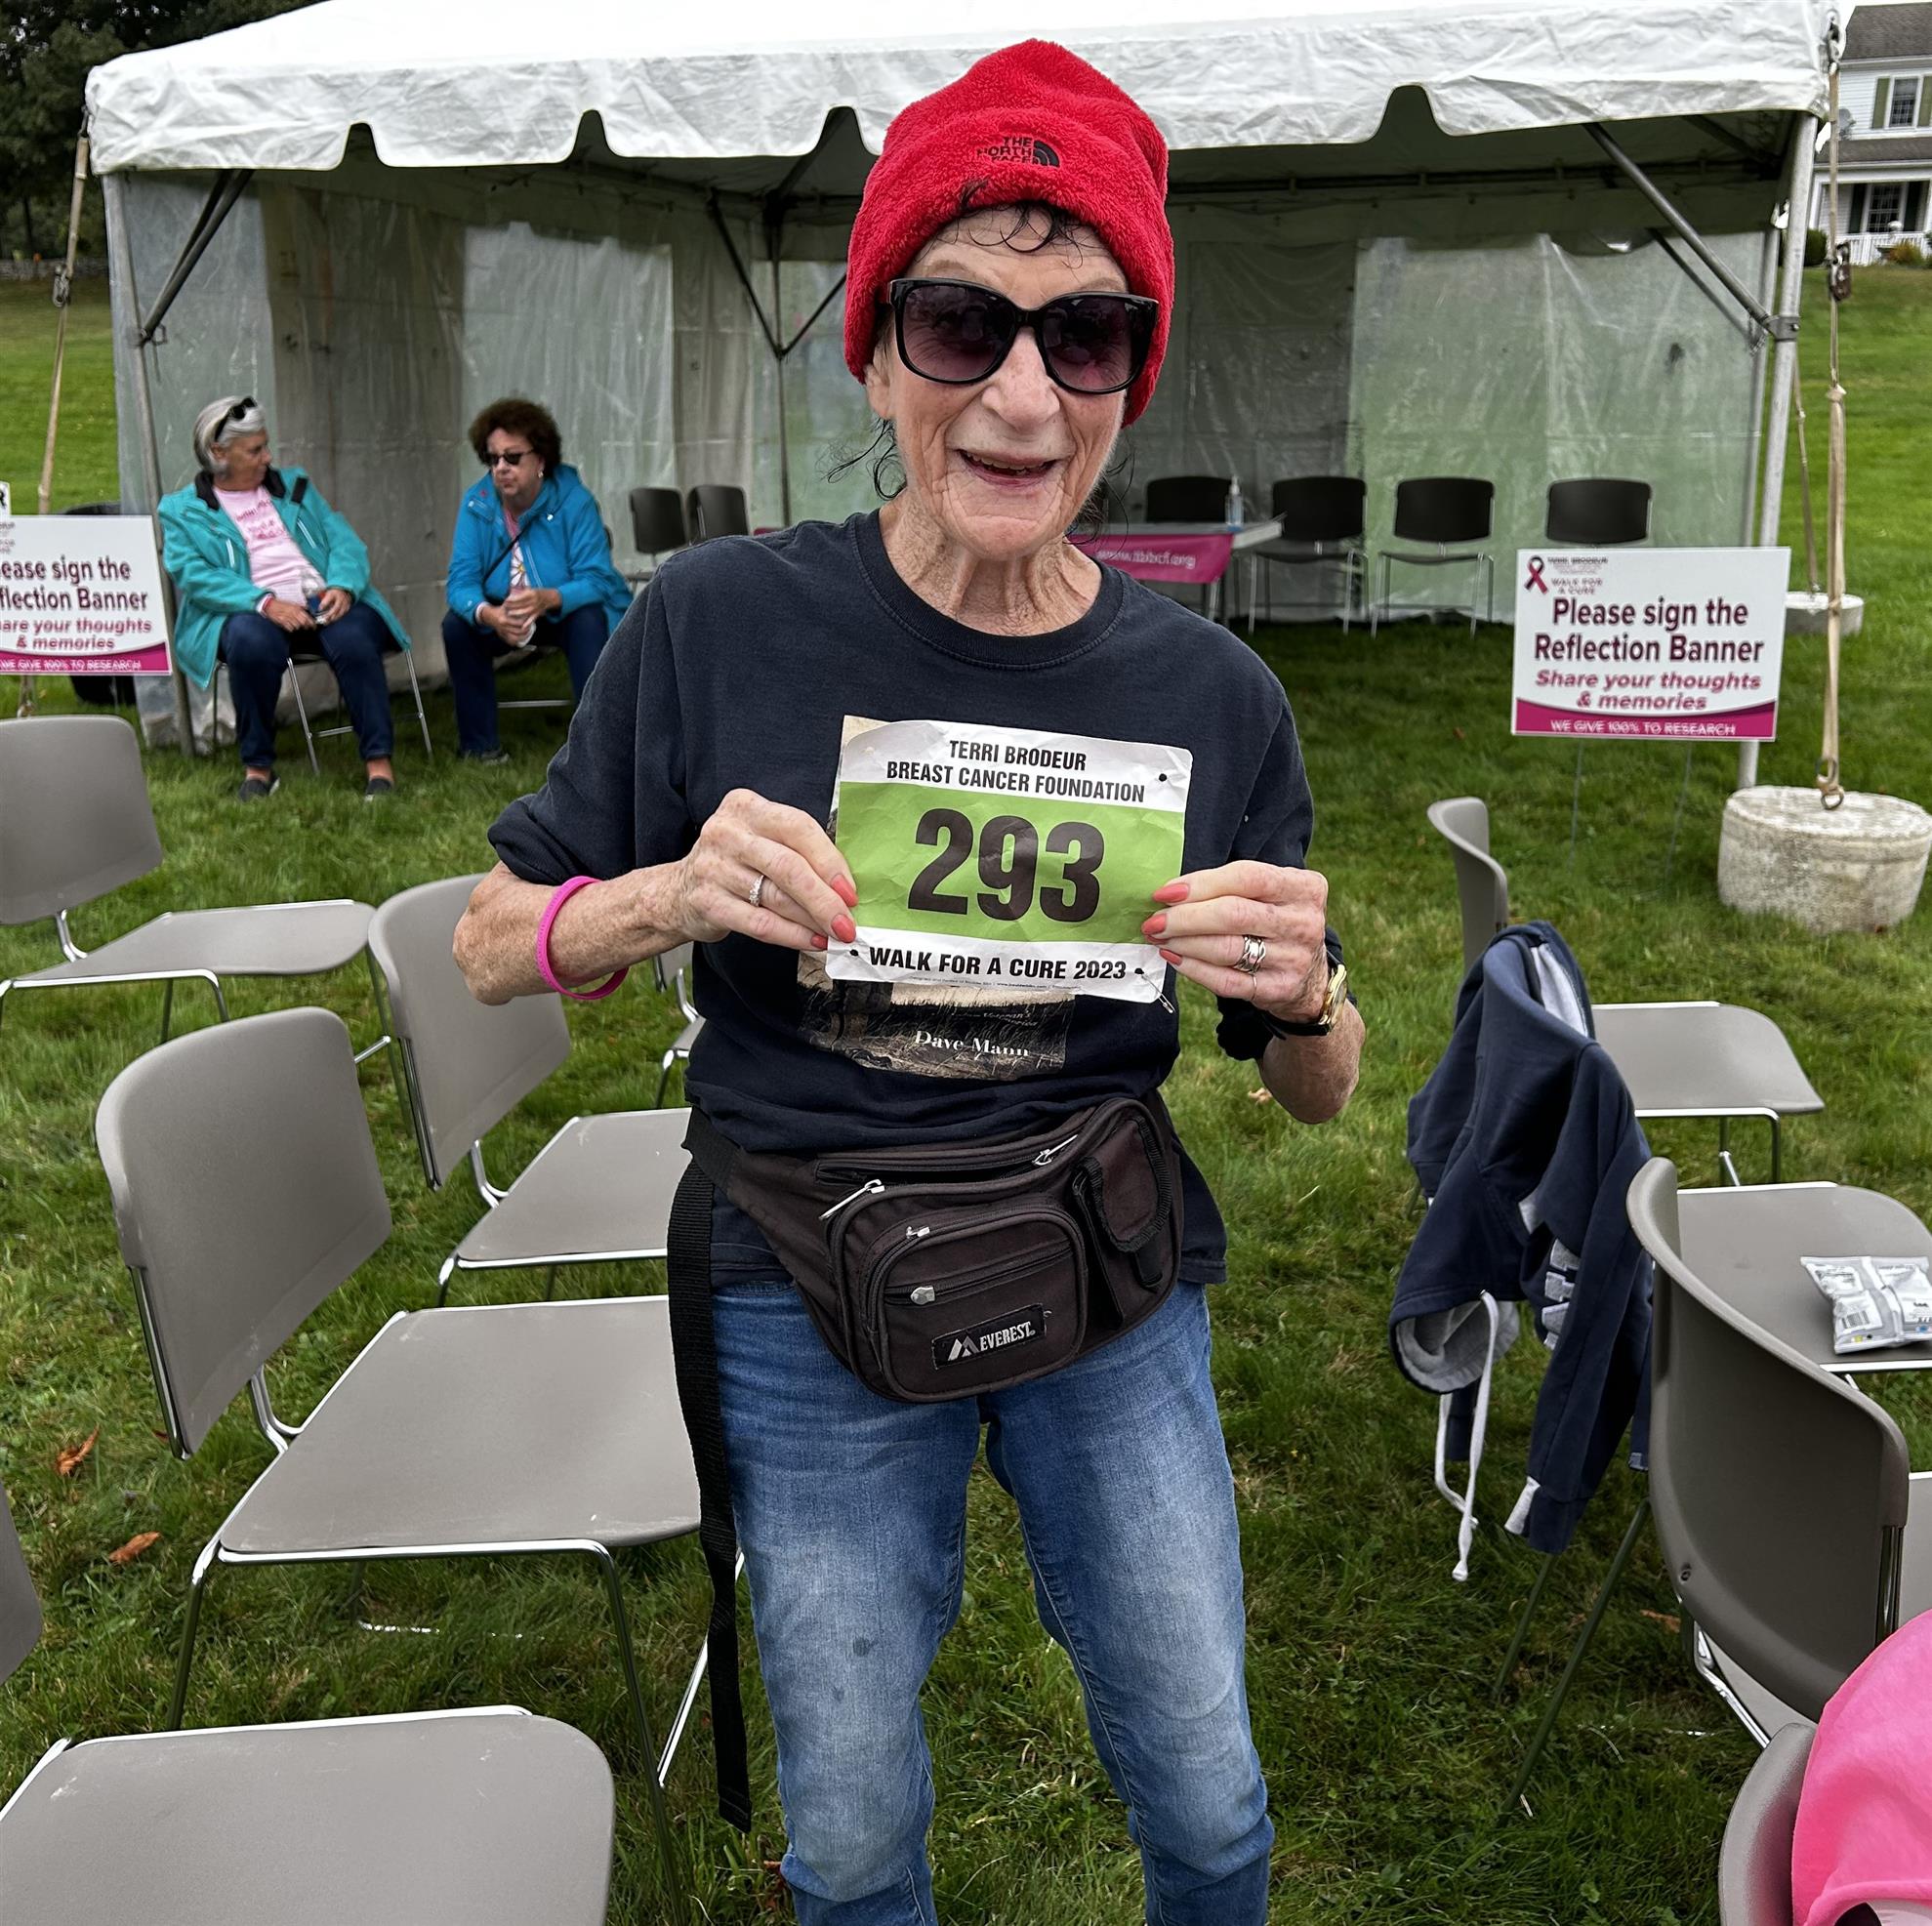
933, 1272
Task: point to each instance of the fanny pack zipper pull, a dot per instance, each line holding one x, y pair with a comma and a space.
1053, 1150
872, 1189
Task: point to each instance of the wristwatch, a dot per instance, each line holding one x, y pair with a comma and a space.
1330, 1011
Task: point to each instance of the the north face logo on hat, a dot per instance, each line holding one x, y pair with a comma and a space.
1022, 147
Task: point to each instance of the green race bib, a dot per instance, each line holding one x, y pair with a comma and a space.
1008, 858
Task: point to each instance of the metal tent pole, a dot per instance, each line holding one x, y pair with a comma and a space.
120, 254
775, 237
1784, 362
1767, 271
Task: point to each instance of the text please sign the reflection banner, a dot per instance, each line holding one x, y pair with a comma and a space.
1649, 644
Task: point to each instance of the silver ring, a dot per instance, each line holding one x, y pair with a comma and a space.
1254, 954
757, 890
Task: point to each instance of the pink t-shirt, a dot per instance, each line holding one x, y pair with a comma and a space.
275, 564
1863, 1831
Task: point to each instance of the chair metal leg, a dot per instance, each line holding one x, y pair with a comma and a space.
1777, 1148
167, 1008
204, 1567
443, 1277
1581, 1646
302, 713
664, 1079
386, 1023
422, 720
1522, 1631
221, 1001
668, 1856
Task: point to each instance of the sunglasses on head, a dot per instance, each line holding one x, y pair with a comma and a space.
241, 410
958, 333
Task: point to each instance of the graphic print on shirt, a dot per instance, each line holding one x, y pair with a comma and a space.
275, 560
1000, 873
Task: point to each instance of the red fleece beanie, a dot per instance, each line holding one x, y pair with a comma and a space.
1029, 123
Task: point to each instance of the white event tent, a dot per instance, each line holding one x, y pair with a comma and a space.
1516, 238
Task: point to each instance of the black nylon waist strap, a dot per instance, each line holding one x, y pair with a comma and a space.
694, 1346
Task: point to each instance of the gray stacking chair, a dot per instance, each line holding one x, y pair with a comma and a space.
1755, 1864
482, 1817
486, 1430
673, 976
1679, 1059
1790, 1524
75, 823
1789, 1519
600, 1192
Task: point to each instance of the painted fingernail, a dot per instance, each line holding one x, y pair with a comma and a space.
1172, 892
846, 888
1168, 955
819, 942
1154, 924
846, 930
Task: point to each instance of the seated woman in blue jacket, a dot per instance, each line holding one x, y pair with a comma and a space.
530, 564
258, 557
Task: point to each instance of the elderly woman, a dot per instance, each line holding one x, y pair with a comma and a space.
937, 1209
530, 564
259, 560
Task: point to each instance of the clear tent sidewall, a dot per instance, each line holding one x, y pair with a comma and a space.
1526, 331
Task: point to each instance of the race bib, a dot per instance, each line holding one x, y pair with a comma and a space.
1008, 858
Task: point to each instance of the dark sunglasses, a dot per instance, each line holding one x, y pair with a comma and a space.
958, 333
515, 456
241, 410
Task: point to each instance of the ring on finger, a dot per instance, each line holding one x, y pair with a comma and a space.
1254, 954
756, 894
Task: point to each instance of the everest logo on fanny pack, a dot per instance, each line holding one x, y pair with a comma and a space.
1022, 1326
1022, 147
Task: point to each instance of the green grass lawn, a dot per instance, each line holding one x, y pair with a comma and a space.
1369, 1665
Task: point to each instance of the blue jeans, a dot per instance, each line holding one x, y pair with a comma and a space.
473, 653
256, 654
851, 1511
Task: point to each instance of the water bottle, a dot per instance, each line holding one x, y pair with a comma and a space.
1234, 508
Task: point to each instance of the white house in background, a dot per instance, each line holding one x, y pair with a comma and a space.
1885, 165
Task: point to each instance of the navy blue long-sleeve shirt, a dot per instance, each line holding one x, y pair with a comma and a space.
737, 669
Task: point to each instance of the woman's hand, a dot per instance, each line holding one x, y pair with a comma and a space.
334, 604
523, 607
496, 617
1211, 913
807, 891
291, 617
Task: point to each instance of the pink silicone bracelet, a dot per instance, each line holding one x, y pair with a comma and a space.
559, 897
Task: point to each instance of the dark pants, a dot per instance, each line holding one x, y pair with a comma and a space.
256, 654
474, 652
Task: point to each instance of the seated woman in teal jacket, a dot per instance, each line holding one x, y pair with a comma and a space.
530, 564
259, 558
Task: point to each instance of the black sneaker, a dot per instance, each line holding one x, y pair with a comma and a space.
375, 788
490, 758
254, 790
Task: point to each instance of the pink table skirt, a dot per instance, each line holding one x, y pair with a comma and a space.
1162, 557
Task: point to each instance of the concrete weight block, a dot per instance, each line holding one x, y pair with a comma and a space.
1856, 866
